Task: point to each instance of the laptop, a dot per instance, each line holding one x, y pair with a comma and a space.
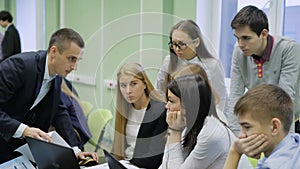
112, 162
52, 156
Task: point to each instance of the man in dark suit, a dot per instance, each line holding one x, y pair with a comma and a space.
11, 42
30, 88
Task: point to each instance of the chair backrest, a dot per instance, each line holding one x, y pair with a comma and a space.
86, 107
97, 121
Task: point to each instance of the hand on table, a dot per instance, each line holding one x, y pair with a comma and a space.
83, 155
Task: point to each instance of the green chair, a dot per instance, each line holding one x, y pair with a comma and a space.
254, 161
97, 120
86, 107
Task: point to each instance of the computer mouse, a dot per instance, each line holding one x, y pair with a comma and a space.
87, 161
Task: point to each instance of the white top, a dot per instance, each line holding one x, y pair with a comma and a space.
210, 151
135, 119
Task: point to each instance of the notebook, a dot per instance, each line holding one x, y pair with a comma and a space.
52, 156
113, 163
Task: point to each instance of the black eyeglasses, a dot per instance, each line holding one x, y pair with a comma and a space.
180, 45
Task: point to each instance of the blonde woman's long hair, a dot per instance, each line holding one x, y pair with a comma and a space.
66, 90
123, 107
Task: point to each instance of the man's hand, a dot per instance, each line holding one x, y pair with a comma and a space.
36, 133
83, 155
252, 145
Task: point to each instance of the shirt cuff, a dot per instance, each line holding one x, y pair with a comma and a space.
76, 150
20, 130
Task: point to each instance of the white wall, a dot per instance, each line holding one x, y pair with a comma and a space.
30, 23
208, 18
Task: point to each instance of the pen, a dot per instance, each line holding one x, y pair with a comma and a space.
24, 165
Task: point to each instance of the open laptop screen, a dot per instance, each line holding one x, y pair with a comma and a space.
113, 163
52, 156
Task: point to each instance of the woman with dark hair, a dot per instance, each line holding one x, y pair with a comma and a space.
197, 138
188, 45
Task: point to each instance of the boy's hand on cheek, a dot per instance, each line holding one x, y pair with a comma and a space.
252, 145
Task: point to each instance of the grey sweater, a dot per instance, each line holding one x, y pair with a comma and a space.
282, 69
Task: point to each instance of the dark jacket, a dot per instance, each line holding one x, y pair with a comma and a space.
21, 78
11, 43
149, 147
78, 119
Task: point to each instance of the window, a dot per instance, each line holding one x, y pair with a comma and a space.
291, 23
262, 4
273, 9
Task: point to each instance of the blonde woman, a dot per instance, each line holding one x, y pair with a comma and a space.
140, 126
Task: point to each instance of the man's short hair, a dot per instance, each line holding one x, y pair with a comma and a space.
253, 17
267, 101
62, 38
6, 16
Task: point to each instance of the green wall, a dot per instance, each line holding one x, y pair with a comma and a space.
115, 32
51, 17
8, 5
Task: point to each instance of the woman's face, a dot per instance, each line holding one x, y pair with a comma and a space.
174, 103
188, 46
132, 89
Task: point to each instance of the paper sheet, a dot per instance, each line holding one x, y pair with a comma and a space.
20, 163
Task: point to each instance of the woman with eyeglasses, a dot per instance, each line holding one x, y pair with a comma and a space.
187, 45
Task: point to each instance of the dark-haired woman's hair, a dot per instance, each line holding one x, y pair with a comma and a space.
197, 101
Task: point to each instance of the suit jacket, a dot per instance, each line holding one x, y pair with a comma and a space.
149, 147
21, 77
11, 43
78, 119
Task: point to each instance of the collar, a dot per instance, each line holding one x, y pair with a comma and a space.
267, 53
8, 26
194, 60
281, 151
47, 76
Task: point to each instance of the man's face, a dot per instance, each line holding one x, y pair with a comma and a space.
2, 23
249, 42
63, 63
250, 126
